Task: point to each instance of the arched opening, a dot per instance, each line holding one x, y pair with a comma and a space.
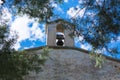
60, 37
60, 28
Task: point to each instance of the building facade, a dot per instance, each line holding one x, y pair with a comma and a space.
68, 63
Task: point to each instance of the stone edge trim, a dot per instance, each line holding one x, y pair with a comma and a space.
73, 48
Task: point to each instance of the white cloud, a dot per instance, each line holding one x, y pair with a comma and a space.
6, 16
82, 45
76, 40
36, 33
81, 38
66, 1
86, 46
57, 8
1, 2
54, 5
17, 45
118, 38
60, 9
80, 1
20, 25
28, 47
72, 12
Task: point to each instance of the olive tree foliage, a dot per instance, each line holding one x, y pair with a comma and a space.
38, 9
100, 23
14, 65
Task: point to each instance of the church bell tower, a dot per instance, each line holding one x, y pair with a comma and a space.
58, 33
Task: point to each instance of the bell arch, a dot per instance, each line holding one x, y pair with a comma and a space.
60, 28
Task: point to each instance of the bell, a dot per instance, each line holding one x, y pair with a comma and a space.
60, 39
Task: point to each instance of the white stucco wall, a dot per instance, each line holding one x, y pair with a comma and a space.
51, 35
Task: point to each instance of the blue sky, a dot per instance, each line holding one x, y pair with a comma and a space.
32, 34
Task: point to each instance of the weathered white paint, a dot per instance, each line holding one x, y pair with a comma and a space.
51, 30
